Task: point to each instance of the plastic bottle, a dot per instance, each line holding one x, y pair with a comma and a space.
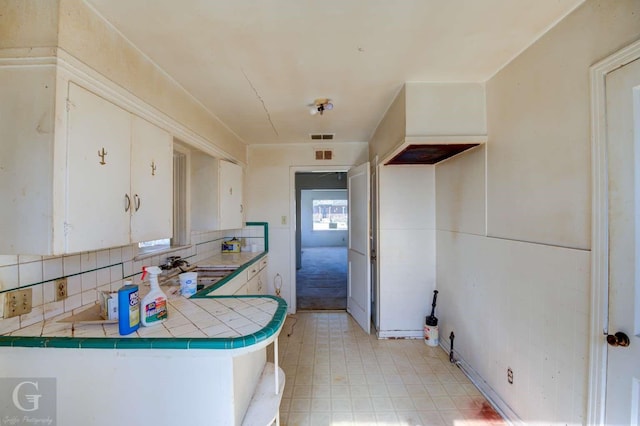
154, 304
128, 308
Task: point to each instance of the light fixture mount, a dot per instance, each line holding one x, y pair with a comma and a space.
321, 105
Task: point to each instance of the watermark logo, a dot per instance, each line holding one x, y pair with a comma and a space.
28, 401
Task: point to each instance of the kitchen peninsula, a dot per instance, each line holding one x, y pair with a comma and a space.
201, 366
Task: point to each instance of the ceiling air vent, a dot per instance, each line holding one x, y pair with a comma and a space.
322, 136
324, 154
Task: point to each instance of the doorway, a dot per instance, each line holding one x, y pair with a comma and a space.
614, 387
321, 240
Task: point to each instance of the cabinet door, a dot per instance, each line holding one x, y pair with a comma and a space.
151, 182
262, 282
230, 195
97, 173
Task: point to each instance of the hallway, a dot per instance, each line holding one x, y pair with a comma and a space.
336, 375
321, 283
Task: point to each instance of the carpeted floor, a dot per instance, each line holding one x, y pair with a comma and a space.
321, 283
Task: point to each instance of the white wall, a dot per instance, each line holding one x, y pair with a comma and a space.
72, 25
269, 189
406, 248
445, 109
516, 292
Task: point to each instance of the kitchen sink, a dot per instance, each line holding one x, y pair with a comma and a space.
209, 275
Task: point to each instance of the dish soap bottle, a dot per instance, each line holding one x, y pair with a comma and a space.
154, 304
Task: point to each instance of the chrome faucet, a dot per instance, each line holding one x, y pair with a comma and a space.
175, 262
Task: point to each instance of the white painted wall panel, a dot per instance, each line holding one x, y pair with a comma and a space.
460, 192
445, 109
407, 280
538, 173
407, 197
524, 306
406, 255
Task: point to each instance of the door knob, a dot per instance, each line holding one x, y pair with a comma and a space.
618, 339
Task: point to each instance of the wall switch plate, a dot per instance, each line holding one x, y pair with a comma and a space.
17, 302
61, 289
283, 220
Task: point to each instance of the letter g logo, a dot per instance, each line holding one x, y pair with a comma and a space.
33, 398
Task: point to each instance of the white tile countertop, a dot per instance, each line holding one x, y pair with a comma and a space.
202, 317
230, 260
219, 322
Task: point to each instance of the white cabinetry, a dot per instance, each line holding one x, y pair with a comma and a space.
77, 172
151, 182
257, 274
253, 280
216, 193
119, 174
230, 195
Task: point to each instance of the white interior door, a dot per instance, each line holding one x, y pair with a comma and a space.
622, 405
359, 276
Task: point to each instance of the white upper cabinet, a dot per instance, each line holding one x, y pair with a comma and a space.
204, 192
119, 174
151, 182
99, 155
77, 172
216, 193
230, 195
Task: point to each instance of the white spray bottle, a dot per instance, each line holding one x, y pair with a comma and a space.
154, 304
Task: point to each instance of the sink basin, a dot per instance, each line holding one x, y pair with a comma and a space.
209, 275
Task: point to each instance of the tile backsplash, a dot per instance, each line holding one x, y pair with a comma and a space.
90, 272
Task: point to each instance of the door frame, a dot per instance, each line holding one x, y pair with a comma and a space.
600, 231
292, 222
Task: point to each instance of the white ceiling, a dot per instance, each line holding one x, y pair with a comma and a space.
257, 65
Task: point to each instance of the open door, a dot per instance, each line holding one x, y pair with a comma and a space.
359, 275
623, 153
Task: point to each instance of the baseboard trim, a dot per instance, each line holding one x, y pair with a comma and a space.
400, 334
487, 391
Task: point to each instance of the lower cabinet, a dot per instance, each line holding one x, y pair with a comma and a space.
251, 281
257, 283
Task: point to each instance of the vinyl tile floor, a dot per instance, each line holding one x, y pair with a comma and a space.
336, 375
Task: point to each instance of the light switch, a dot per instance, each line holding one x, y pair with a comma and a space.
283, 220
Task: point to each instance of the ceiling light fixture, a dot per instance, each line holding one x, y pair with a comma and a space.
320, 105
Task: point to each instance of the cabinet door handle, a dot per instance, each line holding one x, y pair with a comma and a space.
138, 201
127, 204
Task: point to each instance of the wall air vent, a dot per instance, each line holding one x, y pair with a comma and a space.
324, 154
322, 136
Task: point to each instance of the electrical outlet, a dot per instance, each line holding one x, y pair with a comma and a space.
17, 302
510, 375
61, 289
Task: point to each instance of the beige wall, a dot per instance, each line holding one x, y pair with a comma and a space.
32, 23
539, 166
74, 27
92, 40
391, 130
445, 109
269, 191
519, 296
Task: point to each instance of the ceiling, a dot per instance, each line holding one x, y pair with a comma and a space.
258, 65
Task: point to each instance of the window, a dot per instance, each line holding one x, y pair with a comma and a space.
330, 215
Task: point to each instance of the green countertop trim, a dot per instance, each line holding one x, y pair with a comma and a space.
265, 225
206, 291
121, 342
